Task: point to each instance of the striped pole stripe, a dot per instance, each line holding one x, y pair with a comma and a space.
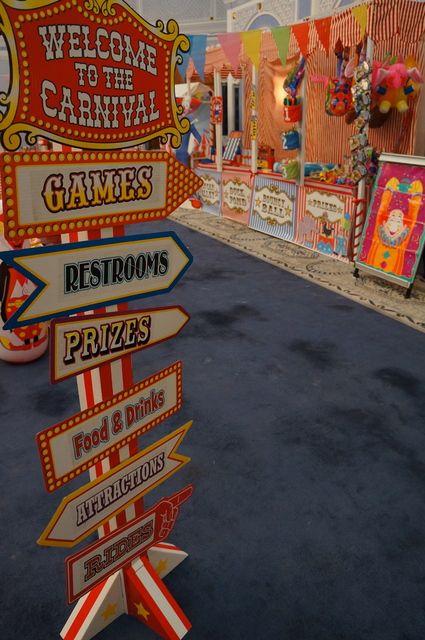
149, 599
96, 610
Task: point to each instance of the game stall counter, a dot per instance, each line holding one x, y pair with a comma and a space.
237, 183
316, 115
274, 206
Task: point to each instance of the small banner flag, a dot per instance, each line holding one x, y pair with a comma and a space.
281, 36
231, 45
198, 48
301, 33
323, 28
251, 41
360, 14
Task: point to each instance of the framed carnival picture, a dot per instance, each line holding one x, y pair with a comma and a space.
393, 237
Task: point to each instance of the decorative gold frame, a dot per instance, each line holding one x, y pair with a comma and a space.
11, 129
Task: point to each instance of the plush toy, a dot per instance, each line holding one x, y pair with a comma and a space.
338, 97
394, 84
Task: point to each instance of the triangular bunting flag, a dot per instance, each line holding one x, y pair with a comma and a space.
198, 47
301, 32
360, 14
281, 36
251, 41
231, 45
323, 28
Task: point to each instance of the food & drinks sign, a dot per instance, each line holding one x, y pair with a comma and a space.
93, 74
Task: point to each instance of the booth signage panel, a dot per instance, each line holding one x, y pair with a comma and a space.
325, 219
99, 560
394, 233
210, 191
236, 195
273, 207
81, 343
84, 510
89, 74
76, 444
87, 275
51, 193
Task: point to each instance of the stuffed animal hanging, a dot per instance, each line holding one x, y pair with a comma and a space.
395, 84
338, 91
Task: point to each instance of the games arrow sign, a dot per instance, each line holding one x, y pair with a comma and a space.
96, 562
76, 444
87, 275
52, 192
83, 511
80, 343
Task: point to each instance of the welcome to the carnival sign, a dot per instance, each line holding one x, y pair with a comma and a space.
91, 74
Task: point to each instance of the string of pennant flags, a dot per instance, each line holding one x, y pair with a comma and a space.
377, 20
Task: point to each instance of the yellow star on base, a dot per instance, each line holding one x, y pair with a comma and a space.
161, 567
141, 611
110, 611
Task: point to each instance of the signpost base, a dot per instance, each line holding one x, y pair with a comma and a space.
137, 590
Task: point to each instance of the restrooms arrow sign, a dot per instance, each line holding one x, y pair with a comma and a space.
87, 275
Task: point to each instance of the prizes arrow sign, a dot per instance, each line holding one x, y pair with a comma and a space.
80, 343
99, 560
84, 510
86, 275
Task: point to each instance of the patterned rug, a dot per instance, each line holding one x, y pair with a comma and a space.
332, 274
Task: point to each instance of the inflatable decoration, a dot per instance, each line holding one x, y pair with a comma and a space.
395, 84
23, 344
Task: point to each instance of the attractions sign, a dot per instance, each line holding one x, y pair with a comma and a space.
83, 511
49, 193
87, 275
91, 74
76, 444
96, 562
81, 343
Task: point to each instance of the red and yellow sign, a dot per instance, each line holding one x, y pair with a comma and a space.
91, 74
74, 445
50, 193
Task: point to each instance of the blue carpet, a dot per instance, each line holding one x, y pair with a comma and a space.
308, 457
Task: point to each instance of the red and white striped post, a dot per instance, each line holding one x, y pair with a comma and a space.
137, 589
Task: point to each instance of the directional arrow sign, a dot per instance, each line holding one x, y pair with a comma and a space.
87, 275
81, 512
73, 445
96, 562
50, 192
83, 342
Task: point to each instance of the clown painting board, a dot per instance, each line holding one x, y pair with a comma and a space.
51, 193
394, 233
88, 275
273, 207
95, 78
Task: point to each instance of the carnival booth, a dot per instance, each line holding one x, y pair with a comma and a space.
320, 100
